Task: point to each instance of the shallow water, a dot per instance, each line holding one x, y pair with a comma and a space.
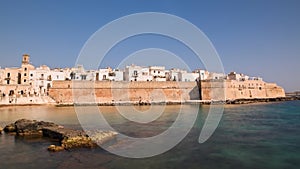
248, 136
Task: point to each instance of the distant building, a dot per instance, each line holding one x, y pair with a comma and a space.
24, 81
158, 73
116, 75
15, 81
216, 76
203, 74
182, 75
79, 73
42, 77
14, 76
109, 74
172, 74
188, 77
40, 80
241, 77
137, 73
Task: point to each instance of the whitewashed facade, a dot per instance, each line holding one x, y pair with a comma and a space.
188, 77
158, 73
137, 73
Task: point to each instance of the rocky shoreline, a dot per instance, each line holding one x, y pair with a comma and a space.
204, 102
259, 100
67, 138
142, 103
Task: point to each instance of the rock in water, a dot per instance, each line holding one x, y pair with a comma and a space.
68, 138
10, 128
55, 148
31, 127
75, 138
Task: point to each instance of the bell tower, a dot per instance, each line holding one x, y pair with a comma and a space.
25, 70
25, 59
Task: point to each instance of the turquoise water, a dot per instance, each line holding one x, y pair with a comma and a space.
249, 136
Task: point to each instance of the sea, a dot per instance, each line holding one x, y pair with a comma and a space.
252, 136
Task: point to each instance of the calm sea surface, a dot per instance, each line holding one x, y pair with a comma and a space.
249, 136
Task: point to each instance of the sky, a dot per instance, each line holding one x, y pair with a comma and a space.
254, 37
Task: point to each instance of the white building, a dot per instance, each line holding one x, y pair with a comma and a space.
137, 73
173, 74
241, 77
182, 75
116, 75
103, 74
188, 77
110, 74
158, 73
60, 74
42, 77
79, 73
216, 76
203, 74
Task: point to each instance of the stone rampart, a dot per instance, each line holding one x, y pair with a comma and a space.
111, 92
69, 92
249, 89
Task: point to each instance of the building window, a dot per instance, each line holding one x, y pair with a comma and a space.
158, 71
154, 71
24, 80
25, 74
25, 68
83, 77
72, 75
8, 74
31, 74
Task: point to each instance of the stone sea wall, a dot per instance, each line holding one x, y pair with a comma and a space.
122, 92
109, 92
250, 89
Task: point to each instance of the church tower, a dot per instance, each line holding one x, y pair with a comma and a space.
23, 77
26, 58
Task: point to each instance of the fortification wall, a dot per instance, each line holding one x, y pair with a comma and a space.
149, 92
110, 92
240, 90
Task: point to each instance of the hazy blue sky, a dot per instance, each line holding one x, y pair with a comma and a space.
255, 37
